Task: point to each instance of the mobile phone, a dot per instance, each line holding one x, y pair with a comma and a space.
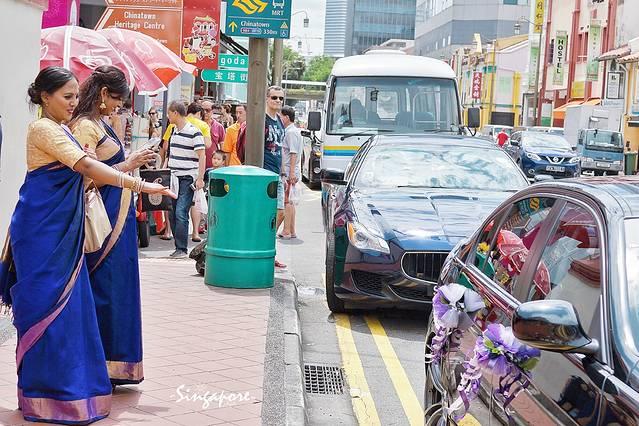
193, 187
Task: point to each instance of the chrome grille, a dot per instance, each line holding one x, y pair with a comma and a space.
424, 266
555, 160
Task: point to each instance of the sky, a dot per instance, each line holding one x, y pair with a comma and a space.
312, 38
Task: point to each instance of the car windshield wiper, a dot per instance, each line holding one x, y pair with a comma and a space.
370, 132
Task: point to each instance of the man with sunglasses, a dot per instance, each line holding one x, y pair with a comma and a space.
273, 139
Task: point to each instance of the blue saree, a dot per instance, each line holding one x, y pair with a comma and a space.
62, 375
115, 280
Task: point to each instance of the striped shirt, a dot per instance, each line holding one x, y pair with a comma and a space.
183, 159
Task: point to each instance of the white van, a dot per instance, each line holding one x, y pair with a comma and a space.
381, 92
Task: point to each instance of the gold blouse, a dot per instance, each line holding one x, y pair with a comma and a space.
47, 143
92, 136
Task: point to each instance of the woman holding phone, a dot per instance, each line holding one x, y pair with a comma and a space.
113, 269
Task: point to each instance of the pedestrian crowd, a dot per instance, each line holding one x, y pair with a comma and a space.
69, 267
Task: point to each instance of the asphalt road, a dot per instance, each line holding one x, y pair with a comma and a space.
381, 353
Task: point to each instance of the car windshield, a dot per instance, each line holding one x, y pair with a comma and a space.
632, 274
440, 166
604, 140
393, 104
538, 140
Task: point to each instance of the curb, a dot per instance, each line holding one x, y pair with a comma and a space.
294, 393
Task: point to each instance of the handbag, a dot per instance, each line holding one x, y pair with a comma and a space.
97, 225
156, 202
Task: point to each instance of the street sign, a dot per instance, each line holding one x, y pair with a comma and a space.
225, 76
164, 25
233, 61
162, 4
561, 43
258, 18
476, 88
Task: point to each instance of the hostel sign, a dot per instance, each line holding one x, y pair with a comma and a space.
559, 55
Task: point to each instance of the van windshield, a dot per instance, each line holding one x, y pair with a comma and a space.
393, 104
604, 140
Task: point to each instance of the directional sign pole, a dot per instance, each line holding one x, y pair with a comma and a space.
257, 78
278, 56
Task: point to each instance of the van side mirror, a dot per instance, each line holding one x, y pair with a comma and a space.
314, 121
473, 118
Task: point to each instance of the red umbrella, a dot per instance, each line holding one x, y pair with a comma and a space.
82, 50
164, 63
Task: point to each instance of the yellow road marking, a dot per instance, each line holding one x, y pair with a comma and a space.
363, 404
403, 388
469, 420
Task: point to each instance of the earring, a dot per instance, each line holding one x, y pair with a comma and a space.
102, 105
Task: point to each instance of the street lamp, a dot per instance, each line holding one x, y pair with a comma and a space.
517, 30
306, 20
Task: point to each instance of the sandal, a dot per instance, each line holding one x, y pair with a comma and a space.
279, 264
166, 238
196, 239
284, 237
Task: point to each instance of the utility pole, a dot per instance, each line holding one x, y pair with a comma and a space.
256, 100
278, 57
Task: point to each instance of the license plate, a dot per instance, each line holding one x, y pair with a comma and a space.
603, 164
555, 168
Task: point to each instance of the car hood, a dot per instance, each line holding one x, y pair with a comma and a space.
548, 152
428, 219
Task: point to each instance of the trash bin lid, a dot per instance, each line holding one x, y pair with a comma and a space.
241, 171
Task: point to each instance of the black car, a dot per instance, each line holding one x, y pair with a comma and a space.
401, 205
557, 268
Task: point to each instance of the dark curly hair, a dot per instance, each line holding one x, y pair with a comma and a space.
48, 80
104, 76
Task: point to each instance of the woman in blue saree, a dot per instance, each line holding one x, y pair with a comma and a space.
62, 374
113, 269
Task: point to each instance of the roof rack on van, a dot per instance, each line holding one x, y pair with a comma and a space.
384, 52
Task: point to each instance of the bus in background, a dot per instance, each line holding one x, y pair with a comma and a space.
385, 92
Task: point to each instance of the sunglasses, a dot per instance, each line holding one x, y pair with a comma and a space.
277, 98
153, 113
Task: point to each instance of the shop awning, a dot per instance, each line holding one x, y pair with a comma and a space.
593, 101
629, 58
559, 113
615, 54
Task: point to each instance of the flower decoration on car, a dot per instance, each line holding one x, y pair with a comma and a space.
452, 305
499, 352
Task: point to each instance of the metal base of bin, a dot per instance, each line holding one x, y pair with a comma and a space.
234, 272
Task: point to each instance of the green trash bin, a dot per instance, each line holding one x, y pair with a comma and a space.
630, 163
240, 251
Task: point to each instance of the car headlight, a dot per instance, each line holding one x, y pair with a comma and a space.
587, 159
533, 156
365, 239
617, 163
574, 160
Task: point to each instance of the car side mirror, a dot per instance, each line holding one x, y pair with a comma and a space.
515, 143
332, 176
474, 120
552, 325
314, 123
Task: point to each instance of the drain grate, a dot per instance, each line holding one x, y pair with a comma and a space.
323, 379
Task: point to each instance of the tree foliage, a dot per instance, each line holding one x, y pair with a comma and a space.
293, 64
319, 68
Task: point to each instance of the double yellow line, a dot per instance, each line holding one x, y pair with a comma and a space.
363, 404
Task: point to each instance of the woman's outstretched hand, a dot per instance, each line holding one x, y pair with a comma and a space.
156, 188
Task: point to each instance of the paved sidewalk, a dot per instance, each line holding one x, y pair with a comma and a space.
204, 350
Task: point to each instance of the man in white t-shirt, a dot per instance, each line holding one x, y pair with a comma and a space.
291, 168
